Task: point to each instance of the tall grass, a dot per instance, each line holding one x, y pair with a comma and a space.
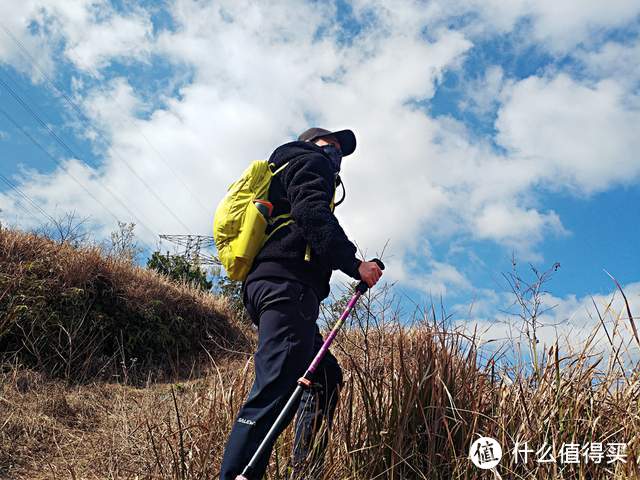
78, 314
416, 395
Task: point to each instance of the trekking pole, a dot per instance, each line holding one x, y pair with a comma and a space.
305, 380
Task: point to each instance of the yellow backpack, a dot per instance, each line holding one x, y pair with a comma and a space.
238, 226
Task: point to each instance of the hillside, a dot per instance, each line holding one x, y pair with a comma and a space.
77, 314
112, 371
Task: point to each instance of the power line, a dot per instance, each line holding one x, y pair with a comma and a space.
20, 197
34, 64
26, 197
20, 204
41, 147
65, 170
81, 114
61, 142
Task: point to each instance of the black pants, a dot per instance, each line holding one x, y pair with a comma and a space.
288, 339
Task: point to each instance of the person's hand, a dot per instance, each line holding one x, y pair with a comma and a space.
370, 273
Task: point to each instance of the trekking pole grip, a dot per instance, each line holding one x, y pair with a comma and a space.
362, 286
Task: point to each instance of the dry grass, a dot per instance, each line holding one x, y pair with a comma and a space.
77, 314
54, 430
415, 397
410, 408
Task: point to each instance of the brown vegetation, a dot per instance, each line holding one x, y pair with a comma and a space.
415, 397
78, 314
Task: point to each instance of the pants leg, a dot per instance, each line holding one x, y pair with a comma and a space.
286, 313
317, 404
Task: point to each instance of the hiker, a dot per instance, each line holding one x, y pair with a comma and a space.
282, 292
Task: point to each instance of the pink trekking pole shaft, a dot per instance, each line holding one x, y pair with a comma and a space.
304, 382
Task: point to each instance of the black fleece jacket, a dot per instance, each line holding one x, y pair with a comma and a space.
305, 188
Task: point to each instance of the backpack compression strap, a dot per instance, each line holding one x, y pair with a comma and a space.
276, 223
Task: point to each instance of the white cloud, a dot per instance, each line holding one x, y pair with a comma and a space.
613, 59
420, 272
112, 106
15, 39
116, 37
504, 222
571, 135
482, 95
565, 24
261, 74
570, 320
429, 277
441, 277
57, 193
558, 26
92, 32
267, 89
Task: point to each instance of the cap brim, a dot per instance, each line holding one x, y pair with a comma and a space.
347, 141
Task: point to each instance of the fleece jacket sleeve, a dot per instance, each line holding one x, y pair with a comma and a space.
309, 182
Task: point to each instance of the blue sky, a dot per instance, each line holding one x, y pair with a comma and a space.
485, 130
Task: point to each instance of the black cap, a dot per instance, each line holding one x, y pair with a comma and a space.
346, 138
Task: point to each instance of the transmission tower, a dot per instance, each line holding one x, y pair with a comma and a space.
193, 246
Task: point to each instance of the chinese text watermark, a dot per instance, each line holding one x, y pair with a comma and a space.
486, 452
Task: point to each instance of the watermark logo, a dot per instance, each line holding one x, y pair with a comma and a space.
591, 452
485, 453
